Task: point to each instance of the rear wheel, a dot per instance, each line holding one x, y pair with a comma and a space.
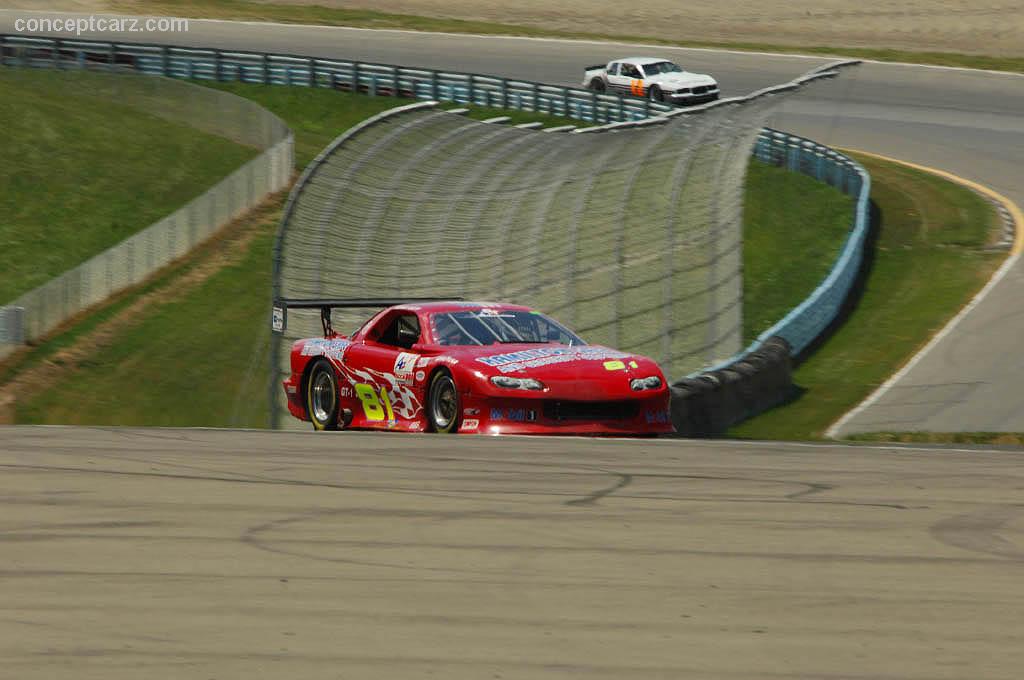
443, 407
322, 396
597, 85
655, 94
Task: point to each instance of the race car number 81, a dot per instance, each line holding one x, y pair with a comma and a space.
373, 405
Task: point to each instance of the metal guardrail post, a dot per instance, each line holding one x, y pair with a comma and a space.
472, 89
312, 72
355, 77
216, 65
504, 93
55, 53
395, 91
536, 96
433, 85
165, 62
265, 70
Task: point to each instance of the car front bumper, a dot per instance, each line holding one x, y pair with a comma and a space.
690, 99
634, 416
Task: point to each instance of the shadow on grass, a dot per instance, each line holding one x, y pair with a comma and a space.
876, 221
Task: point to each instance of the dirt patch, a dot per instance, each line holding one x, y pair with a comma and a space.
226, 249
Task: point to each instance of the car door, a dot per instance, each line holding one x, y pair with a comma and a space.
632, 79
381, 382
616, 81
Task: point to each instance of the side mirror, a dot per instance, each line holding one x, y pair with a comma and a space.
428, 350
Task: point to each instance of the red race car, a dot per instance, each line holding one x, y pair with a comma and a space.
468, 367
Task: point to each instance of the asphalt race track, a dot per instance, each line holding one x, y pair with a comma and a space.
965, 122
241, 554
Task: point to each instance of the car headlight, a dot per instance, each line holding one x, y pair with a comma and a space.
511, 383
649, 383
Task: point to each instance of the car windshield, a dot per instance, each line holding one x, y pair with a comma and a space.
494, 326
661, 67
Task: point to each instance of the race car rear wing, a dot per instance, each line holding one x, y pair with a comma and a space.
279, 317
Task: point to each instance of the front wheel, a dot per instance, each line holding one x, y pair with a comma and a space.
443, 403
322, 396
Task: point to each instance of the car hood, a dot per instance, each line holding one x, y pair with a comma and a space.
580, 372
684, 79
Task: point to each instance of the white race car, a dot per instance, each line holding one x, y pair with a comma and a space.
654, 78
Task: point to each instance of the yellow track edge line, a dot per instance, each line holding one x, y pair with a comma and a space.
1015, 212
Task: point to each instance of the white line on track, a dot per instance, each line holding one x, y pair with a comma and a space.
833, 431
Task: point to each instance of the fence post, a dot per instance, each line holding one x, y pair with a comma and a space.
55, 53
593, 107
266, 69
216, 65
504, 93
394, 82
536, 96
472, 93
622, 109
433, 85
312, 72
111, 56
355, 77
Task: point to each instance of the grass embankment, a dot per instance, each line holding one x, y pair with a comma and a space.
205, 320
81, 172
793, 228
928, 261
211, 335
332, 16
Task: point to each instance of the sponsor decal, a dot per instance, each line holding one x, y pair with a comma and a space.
332, 349
614, 366
403, 367
471, 411
515, 415
633, 364
545, 356
290, 389
346, 391
422, 362
659, 417
470, 424
277, 320
377, 387
420, 376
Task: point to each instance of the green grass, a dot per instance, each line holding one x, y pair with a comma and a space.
928, 262
329, 16
197, 361
782, 265
80, 173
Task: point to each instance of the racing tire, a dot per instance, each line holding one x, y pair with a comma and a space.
654, 94
322, 396
597, 85
444, 409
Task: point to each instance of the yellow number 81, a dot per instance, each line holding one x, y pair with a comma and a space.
373, 405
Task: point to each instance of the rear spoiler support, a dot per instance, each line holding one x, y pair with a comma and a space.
279, 317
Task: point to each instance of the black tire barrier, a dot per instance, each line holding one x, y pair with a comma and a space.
710, 403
